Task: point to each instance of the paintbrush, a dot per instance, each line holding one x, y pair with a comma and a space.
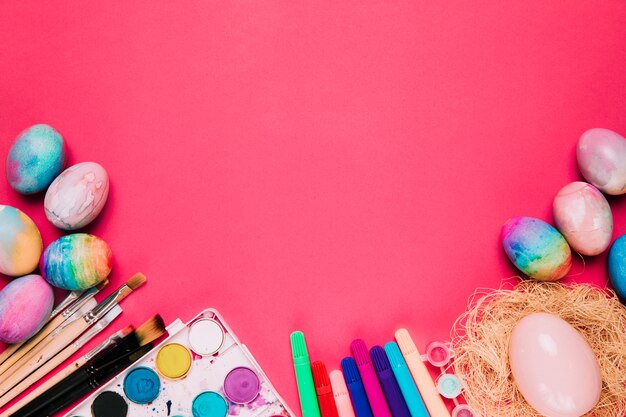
61, 337
61, 313
124, 340
86, 385
107, 357
62, 356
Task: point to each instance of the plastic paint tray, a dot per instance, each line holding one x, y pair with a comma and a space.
247, 392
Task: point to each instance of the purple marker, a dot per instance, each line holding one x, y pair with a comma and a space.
388, 382
370, 380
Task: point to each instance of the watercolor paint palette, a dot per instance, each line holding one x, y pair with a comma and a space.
200, 370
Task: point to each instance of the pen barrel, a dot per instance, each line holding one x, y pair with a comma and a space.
392, 392
413, 399
374, 391
306, 391
359, 400
328, 408
426, 386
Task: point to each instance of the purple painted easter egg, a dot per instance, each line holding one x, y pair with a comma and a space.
601, 155
77, 196
25, 306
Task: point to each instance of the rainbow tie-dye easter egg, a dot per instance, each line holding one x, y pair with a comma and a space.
536, 248
76, 262
20, 242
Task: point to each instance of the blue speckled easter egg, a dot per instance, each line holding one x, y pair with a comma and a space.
35, 159
617, 266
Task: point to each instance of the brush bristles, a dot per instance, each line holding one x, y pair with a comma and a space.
350, 371
381, 363
151, 330
136, 281
298, 345
407, 346
320, 376
359, 352
102, 284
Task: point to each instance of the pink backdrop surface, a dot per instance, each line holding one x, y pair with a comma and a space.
342, 168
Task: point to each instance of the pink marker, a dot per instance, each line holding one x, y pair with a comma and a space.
370, 380
340, 390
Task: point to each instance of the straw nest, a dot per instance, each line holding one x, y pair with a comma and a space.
480, 339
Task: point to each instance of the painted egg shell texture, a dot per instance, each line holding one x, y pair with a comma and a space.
617, 266
601, 155
25, 306
35, 159
583, 216
554, 367
77, 196
76, 262
20, 242
536, 248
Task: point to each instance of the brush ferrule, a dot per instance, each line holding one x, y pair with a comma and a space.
65, 303
107, 304
80, 301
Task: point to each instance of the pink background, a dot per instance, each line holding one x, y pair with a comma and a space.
342, 168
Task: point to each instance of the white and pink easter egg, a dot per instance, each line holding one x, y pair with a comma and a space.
583, 216
601, 155
77, 196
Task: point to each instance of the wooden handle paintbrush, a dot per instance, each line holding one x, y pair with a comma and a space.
61, 357
19, 357
62, 337
66, 309
65, 303
119, 344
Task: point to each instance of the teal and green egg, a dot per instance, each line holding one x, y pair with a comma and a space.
35, 159
617, 266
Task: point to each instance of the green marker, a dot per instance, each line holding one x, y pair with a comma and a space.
304, 377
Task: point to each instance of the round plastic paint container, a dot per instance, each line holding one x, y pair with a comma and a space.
449, 386
462, 410
206, 337
173, 361
209, 404
242, 385
109, 404
142, 385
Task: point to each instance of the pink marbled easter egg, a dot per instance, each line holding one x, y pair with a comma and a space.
77, 196
583, 216
25, 306
601, 155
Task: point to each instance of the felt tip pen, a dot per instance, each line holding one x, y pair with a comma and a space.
324, 391
304, 377
413, 399
355, 388
424, 381
388, 383
340, 391
370, 380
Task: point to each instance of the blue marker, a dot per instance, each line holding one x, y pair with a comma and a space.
355, 388
413, 399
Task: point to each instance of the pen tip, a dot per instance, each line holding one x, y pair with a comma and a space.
379, 359
405, 342
350, 371
298, 345
320, 375
359, 352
